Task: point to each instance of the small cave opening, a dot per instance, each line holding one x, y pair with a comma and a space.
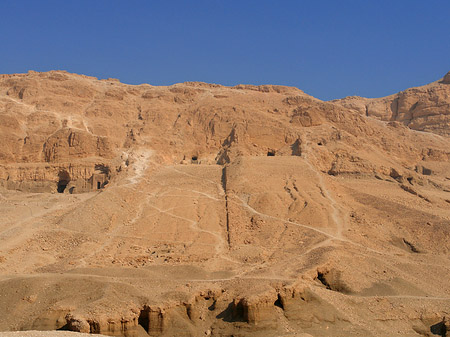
271, 153
99, 185
279, 303
320, 143
194, 160
439, 329
62, 184
144, 318
63, 181
212, 307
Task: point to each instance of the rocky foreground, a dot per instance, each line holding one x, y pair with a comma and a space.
203, 210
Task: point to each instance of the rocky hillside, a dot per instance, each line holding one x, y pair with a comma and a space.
424, 108
199, 209
58, 122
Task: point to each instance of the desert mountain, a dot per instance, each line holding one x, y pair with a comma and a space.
203, 210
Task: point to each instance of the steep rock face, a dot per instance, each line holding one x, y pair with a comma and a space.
66, 145
446, 79
424, 108
58, 117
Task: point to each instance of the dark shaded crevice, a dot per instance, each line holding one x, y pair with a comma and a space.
321, 278
424, 198
279, 302
296, 148
62, 184
189, 311
144, 318
331, 279
94, 327
212, 307
289, 191
65, 327
235, 312
411, 247
103, 169
63, 180
414, 192
224, 186
394, 109
176, 120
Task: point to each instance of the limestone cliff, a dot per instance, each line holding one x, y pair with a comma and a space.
424, 108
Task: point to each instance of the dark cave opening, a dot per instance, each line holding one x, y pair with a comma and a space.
62, 184
279, 303
439, 329
63, 181
144, 318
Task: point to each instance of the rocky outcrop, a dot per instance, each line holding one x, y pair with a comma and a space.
67, 144
209, 313
63, 177
67, 120
424, 108
446, 79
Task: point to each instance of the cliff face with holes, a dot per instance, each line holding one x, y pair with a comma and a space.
198, 209
55, 122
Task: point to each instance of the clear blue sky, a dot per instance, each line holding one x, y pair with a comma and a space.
329, 49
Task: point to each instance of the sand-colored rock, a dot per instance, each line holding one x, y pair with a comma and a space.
203, 210
424, 108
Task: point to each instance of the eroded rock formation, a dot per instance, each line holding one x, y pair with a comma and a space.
423, 108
